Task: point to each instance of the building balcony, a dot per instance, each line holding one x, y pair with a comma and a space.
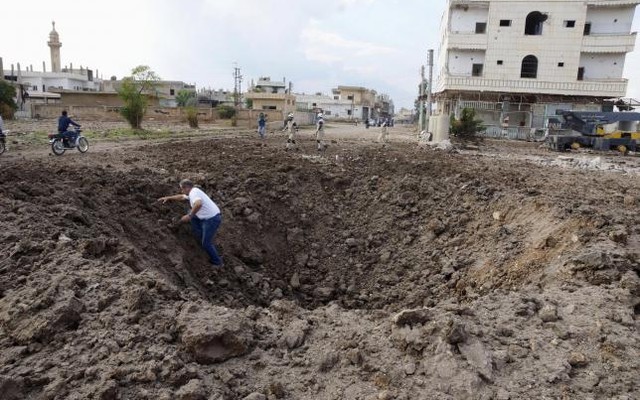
599, 88
611, 3
467, 41
611, 43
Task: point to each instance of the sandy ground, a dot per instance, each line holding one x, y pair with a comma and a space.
369, 271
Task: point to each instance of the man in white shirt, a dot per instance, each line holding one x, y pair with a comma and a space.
204, 216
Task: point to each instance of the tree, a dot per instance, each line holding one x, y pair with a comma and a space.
7, 103
134, 91
186, 98
467, 126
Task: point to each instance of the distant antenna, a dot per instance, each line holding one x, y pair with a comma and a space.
237, 86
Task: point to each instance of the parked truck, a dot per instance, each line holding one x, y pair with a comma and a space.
618, 131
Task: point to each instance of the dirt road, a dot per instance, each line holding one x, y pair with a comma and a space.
368, 272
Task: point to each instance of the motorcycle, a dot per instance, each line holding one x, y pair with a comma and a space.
76, 141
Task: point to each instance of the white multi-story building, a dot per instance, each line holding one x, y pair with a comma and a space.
517, 62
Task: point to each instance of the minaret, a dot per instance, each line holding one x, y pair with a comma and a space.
54, 45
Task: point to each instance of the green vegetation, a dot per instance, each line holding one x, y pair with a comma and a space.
134, 91
192, 116
467, 126
186, 98
7, 102
226, 112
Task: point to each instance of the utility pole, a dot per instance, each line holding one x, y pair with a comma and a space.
237, 86
421, 101
429, 98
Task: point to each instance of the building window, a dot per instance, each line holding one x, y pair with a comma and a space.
350, 97
481, 27
587, 29
336, 97
529, 67
499, 62
476, 69
348, 112
534, 22
570, 24
35, 88
581, 73
314, 104
172, 92
561, 64
505, 22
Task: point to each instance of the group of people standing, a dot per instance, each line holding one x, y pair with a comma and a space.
291, 127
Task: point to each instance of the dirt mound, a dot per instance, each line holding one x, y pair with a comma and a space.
368, 272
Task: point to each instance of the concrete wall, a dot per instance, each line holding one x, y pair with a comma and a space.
109, 113
602, 66
610, 20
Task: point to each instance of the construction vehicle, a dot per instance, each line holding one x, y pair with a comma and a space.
596, 130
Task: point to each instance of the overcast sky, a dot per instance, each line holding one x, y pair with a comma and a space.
378, 44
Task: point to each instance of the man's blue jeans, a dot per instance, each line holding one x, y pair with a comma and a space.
205, 230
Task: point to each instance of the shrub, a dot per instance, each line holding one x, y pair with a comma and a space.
192, 116
226, 112
467, 126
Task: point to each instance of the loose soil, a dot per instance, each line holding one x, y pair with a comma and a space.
371, 271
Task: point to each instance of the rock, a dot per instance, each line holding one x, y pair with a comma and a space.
328, 361
502, 394
631, 281
619, 236
498, 216
351, 242
409, 368
548, 313
64, 315
412, 317
11, 388
108, 390
214, 334
436, 226
323, 292
385, 256
255, 396
354, 356
193, 390
295, 281
593, 259
629, 201
577, 360
295, 334
478, 357
455, 333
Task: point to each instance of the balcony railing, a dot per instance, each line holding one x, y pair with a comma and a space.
612, 43
605, 87
467, 41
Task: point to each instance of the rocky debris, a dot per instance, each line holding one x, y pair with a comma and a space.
193, 390
11, 388
64, 314
214, 334
577, 359
548, 313
412, 317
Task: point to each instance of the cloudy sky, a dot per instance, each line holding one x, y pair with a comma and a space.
378, 44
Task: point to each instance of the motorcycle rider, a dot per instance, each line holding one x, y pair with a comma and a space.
63, 128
